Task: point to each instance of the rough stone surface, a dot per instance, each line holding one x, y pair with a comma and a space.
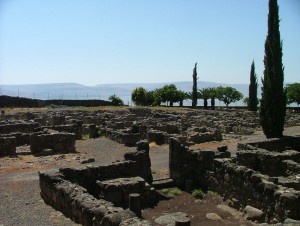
169, 219
213, 216
254, 214
7, 146
70, 191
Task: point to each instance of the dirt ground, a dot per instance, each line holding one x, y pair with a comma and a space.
21, 204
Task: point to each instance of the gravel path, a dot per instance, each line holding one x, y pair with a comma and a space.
20, 201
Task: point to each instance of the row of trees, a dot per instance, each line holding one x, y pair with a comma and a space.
169, 94
274, 96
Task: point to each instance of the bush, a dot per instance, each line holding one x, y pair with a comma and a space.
171, 192
198, 193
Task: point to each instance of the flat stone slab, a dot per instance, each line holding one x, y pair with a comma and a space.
121, 183
228, 209
213, 217
251, 213
163, 183
169, 219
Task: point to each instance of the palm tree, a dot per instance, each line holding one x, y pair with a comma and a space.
204, 94
212, 96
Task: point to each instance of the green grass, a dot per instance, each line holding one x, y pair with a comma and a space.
20, 157
198, 193
153, 172
85, 136
171, 192
211, 193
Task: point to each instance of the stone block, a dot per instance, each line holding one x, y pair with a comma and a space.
7, 146
59, 142
156, 136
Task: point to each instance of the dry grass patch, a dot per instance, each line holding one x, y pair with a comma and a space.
152, 144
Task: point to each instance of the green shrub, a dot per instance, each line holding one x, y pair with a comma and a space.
85, 136
153, 172
171, 192
198, 193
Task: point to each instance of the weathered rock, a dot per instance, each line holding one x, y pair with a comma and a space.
291, 222
142, 145
213, 216
89, 160
222, 148
7, 146
58, 142
228, 209
170, 218
254, 214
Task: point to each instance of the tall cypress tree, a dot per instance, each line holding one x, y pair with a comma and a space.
194, 92
252, 103
273, 102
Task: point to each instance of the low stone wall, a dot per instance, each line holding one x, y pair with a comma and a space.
21, 138
199, 138
122, 136
156, 136
19, 127
70, 128
76, 203
8, 101
137, 164
73, 191
58, 142
248, 187
267, 162
275, 196
188, 164
274, 144
7, 146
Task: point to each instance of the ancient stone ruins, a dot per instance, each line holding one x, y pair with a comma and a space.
264, 175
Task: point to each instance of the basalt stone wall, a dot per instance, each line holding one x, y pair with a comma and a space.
185, 163
70, 128
21, 138
7, 146
140, 112
136, 164
57, 120
199, 138
58, 142
74, 103
75, 202
73, 190
277, 197
125, 137
24, 127
274, 144
7, 101
249, 187
270, 163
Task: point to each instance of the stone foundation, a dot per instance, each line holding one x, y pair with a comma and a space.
59, 142
7, 146
263, 179
73, 191
249, 187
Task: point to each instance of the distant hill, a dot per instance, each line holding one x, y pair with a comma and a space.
73, 91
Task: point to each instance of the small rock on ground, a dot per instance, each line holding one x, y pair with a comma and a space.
213, 216
254, 214
225, 208
169, 219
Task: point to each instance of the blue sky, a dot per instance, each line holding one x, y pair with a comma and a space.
140, 41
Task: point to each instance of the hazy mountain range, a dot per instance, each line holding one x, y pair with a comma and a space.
77, 91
